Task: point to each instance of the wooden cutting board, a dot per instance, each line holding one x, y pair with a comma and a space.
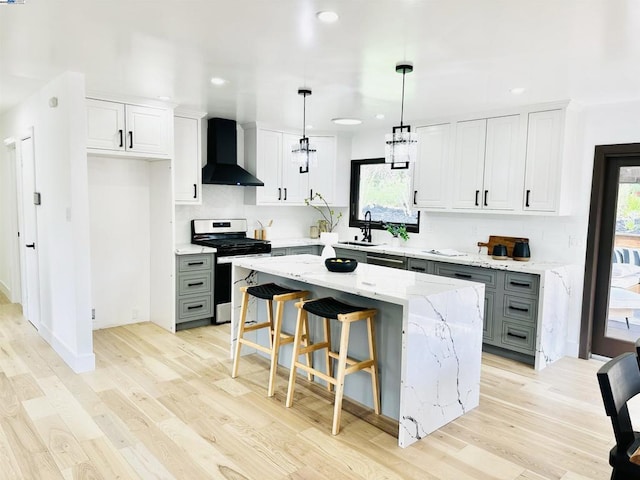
508, 242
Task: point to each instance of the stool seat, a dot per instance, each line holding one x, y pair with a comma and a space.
329, 307
267, 291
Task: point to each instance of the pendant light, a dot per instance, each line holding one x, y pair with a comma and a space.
401, 145
303, 153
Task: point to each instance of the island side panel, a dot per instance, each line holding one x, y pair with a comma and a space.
242, 277
442, 360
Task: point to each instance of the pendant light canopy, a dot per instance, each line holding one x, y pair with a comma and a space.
302, 153
401, 144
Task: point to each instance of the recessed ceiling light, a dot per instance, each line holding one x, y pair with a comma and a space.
347, 121
164, 97
327, 17
218, 81
517, 90
380, 116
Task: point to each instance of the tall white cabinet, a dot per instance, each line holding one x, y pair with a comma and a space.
188, 158
431, 177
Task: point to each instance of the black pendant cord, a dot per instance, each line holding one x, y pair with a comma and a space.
304, 113
402, 104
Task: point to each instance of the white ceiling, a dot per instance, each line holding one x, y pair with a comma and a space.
467, 54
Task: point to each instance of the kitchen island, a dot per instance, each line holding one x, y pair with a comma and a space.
429, 334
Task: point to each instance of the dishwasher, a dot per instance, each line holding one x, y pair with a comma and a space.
392, 261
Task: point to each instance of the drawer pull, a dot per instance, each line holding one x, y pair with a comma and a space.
196, 284
382, 259
517, 335
519, 309
463, 275
520, 284
195, 263
193, 307
419, 269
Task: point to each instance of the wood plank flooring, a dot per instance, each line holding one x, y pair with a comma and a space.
163, 406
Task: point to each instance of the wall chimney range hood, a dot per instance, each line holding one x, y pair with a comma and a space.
222, 156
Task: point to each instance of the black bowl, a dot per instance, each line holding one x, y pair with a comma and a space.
341, 265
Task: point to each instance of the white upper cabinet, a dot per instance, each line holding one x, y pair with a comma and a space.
431, 174
268, 154
543, 172
487, 164
130, 129
187, 160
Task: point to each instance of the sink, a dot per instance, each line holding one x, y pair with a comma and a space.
359, 244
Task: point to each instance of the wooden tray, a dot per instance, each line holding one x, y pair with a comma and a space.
508, 242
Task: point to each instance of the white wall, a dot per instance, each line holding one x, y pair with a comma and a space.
63, 217
9, 257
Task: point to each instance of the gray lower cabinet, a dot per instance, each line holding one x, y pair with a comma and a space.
420, 265
194, 290
510, 308
387, 260
359, 256
299, 250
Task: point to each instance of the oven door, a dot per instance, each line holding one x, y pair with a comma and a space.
222, 286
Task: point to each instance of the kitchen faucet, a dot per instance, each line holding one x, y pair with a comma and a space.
366, 230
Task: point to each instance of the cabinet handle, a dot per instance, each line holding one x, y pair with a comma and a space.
383, 259
120, 132
520, 284
130, 139
462, 275
526, 202
486, 192
477, 193
517, 335
415, 192
195, 284
31, 245
419, 269
311, 194
285, 194
195, 263
195, 191
193, 307
279, 193
519, 309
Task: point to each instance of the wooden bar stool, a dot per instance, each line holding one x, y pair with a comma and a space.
330, 308
270, 292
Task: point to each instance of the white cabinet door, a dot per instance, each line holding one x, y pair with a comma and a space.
147, 129
105, 125
295, 185
187, 160
430, 180
268, 166
542, 172
468, 165
501, 186
322, 177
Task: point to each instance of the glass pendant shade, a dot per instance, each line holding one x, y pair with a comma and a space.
304, 154
400, 147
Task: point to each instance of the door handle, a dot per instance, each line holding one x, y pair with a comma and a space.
31, 245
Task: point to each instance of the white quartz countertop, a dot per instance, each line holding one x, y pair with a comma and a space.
474, 259
372, 281
191, 249
294, 242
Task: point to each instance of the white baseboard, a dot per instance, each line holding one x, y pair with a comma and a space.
78, 363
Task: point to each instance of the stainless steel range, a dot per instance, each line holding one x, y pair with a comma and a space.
229, 238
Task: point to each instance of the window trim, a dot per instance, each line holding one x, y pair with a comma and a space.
354, 194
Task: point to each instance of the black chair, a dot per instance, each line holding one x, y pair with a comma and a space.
619, 381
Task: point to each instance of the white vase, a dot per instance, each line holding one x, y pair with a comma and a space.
395, 241
329, 239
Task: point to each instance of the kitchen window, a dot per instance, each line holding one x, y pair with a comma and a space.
384, 192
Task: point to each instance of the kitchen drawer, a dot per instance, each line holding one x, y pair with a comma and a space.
194, 307
520, 338
384, 260
521, 283
464, 272
192, 263
194, 283
278, 252
303, 249
360, 257
519, 308
420, 265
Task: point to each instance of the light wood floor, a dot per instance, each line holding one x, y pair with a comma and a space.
164, 406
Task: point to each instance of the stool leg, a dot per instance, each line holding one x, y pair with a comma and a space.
270, 321
306, 341
275, 347
302, 316
375, 385
243, 318
327, 339
342, 363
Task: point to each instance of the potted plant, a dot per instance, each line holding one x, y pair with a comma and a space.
398, 231
326, 225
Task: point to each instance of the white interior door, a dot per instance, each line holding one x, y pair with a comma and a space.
29, 233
